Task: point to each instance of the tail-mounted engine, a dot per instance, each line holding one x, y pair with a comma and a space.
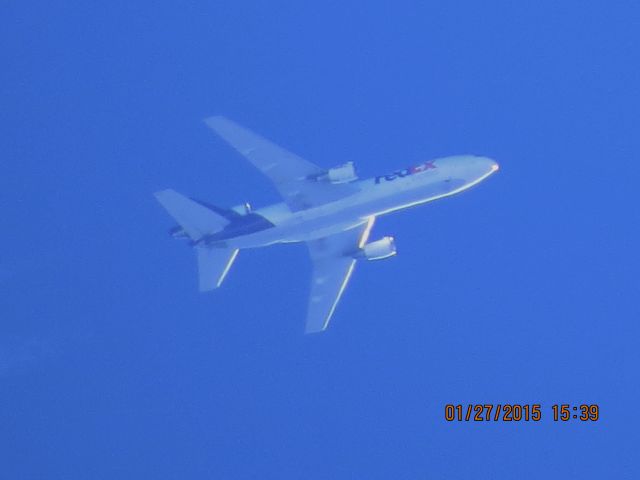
243, 209
383, 248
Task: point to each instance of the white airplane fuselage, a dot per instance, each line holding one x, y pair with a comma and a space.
375, 196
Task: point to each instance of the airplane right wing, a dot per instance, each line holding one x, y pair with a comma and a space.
333, 264
294, 177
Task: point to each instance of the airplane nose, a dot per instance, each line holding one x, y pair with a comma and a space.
490, 164
469, 165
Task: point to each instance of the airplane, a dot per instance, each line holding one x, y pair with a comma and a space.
330, 210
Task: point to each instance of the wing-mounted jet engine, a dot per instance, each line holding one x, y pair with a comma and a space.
383, 248
341, 174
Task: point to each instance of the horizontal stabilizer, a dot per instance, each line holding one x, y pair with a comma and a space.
213, 266
196, 219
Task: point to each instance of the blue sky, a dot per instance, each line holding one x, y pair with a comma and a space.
522, 290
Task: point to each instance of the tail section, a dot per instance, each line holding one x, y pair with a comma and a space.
213, 266
197, 220
194, 218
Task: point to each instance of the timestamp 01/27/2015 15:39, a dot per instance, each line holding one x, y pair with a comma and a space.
519, 412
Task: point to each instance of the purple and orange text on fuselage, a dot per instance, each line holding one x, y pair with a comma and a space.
405, 172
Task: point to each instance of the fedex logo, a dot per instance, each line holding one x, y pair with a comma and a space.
407, 171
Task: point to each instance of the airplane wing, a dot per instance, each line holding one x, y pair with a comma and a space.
292, 175
333, 264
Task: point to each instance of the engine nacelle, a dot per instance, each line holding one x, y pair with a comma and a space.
383, 248
342, 174
243, 209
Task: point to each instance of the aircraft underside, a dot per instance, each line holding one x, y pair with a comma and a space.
329, 210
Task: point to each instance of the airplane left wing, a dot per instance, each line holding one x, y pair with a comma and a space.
333, 265
294, 177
